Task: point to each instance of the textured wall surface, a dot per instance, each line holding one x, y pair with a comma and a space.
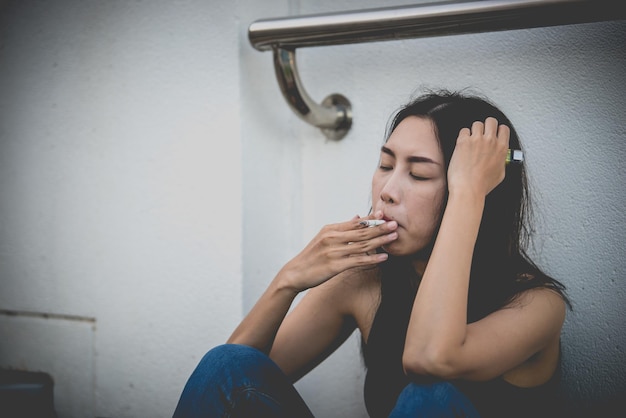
153, 181
120, 177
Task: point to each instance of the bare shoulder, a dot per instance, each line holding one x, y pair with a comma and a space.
541, 311
542, 300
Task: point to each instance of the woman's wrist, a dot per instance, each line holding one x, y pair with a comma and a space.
286, 281
466, 196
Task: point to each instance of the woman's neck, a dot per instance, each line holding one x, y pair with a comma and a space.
419, 264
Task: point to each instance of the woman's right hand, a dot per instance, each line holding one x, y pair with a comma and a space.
478, 161
336, 248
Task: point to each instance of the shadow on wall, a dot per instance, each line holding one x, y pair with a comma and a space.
611, 407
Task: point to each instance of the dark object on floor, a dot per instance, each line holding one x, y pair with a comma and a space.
26, 394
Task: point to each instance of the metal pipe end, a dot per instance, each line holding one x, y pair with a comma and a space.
343, 108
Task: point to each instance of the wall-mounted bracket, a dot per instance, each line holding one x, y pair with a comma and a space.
334, 116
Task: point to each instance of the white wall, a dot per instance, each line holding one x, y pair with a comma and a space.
140, 142
120, 175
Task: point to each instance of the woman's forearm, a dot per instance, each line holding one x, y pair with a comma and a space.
258, 329
438, 323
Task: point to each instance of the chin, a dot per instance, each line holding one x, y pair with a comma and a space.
396, 249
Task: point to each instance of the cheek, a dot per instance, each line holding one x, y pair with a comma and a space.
438, 198
429, 199
427, 211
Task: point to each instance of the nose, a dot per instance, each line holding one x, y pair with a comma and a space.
385, 197
390, 193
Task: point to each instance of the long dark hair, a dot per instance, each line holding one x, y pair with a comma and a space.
501, 268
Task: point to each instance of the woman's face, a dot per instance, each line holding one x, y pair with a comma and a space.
409, 184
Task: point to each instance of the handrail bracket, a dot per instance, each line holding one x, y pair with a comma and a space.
333, 116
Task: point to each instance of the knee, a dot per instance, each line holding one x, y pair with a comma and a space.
234, 358
438, 393
221, 371
436, 399
226, 353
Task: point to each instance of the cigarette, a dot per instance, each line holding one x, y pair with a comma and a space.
514, 156
372, 222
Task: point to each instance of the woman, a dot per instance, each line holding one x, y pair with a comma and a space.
455, 319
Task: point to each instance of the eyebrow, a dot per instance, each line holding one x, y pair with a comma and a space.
411, 159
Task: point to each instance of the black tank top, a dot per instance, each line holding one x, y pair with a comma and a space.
493, 399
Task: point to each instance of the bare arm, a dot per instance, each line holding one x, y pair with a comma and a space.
439, 340
321, 322
335, 249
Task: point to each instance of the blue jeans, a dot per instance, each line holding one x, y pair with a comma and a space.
435, 400
240, 381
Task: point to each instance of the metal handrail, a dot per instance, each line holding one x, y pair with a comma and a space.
284, 35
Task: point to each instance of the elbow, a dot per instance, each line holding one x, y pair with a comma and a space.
429, 362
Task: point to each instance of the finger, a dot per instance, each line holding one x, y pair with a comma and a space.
363, 244
353, 223
478, 128
368, 245
491, 128
464, 135
367, 259
504, 133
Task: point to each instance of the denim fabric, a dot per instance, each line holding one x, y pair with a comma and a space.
238, 381
436, 400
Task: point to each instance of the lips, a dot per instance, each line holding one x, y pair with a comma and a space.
389, 218
386, 217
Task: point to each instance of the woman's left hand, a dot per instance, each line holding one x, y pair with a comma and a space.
479, 157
